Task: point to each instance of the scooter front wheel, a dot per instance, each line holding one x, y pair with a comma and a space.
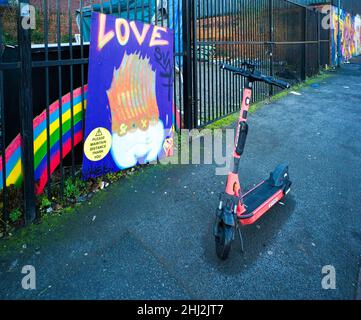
224, 239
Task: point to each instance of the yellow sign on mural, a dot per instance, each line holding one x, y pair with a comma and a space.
98, 144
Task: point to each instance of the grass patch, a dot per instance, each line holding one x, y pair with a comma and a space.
34, 236
54, 225
233, 117
55, 210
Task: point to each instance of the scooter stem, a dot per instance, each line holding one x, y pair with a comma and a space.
242, 129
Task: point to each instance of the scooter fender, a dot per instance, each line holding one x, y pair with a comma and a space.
228, 218
280, 176
224, 216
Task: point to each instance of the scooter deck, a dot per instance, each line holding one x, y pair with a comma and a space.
259, 196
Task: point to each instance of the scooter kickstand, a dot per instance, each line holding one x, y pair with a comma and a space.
240, 236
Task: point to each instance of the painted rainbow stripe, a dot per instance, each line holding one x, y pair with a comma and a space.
13, 151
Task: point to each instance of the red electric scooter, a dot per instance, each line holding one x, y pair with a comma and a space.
236, 209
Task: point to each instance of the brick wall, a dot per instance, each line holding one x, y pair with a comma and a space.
9, 21
64, 17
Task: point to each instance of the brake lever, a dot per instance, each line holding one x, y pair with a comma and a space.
250, 66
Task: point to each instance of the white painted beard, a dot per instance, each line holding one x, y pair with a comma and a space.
126, 150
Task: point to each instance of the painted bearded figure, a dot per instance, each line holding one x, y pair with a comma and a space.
137, 131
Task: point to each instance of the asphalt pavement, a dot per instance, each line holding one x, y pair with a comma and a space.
149, 236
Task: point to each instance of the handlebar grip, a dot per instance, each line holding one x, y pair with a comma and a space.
229, 67
257, 76
240, 71
279, 83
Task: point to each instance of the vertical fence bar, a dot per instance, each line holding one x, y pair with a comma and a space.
82, 80
70, 17
194, 45
173, 27
318, 42
270, 48
211, 61
224, 47
47, 100
216, 54
201, 51
210, 107
26, 114
181, 66
5, 213
60, 90
143, 12
227, 74
339, 54
304, 35
187, 62
252, 47
198, 6
222, 53
168, 14
230, 53
239, 39
243, 37
233, 38
101, 6
155, 12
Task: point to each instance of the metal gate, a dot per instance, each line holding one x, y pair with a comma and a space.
43, 91
43, 75
281, 38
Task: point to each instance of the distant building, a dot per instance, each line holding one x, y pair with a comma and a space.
351, 6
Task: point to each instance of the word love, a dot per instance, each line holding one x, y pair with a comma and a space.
123, 30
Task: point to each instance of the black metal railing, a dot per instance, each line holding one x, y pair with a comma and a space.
49, 70
282, 38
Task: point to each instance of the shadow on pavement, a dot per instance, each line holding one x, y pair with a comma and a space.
256, 238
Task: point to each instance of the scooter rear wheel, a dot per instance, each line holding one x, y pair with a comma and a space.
224, 239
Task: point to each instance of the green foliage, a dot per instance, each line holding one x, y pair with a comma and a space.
37, 35
74, 188
230, 119
9, 39
66, 38
113, 176
44, 202
15, 215
14, 200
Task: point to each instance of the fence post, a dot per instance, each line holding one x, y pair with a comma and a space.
270, 22
304, 60
26, 113
318, 41
187, 63
5, 211
194, 63
339, 53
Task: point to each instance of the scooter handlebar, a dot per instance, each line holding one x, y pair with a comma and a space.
240, 71
278, 83
256, 76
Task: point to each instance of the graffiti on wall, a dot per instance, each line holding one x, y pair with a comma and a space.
350, 30
358, 34
14, 172
130, 98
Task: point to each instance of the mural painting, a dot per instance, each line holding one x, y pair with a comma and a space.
130, 95
14, 172
350, 28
